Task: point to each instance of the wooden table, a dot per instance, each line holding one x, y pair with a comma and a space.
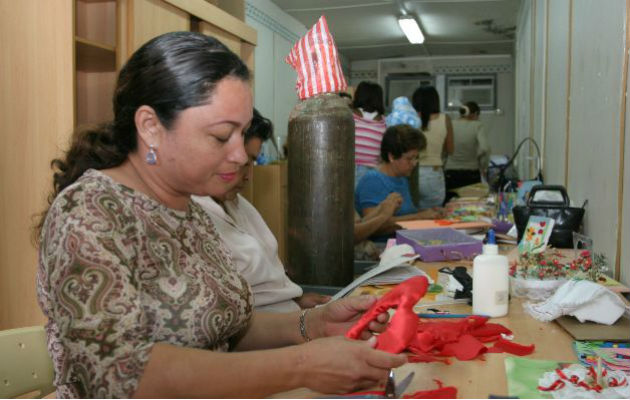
480, 378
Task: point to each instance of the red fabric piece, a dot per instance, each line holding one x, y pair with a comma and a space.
558, 384
422, 357
490, 329
428, 340
442, 392
402, 327
466, 348
447, 392
506, 346
489, 339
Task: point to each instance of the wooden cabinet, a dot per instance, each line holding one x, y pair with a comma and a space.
267, 191
36, 111
60, 63
147, 19
95, 60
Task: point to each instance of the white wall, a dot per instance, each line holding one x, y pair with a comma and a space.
274, 80
500, 126
576, 109
523, 91
557, 86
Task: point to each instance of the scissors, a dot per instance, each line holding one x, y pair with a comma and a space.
393, 390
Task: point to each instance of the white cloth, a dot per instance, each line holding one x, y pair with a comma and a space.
255, 253
585, 300
368, 115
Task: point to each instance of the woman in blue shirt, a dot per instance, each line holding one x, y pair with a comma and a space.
399, 156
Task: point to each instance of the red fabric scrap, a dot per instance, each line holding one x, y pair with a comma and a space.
402, 327
442, 392
422, 357
506, 346
428, 340
466, 348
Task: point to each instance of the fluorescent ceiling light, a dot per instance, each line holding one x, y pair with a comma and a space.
411, 29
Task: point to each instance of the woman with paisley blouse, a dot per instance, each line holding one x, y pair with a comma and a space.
141, 295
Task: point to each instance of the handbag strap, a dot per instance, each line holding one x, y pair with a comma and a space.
548, 188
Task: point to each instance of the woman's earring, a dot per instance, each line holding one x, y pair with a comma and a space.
151, 156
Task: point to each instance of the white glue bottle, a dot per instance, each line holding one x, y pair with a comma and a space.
490, 281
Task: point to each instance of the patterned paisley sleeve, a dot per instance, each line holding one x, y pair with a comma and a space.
96, 332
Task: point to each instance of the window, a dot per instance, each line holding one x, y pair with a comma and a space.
478, 88
404, 84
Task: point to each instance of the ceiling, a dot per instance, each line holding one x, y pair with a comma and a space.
368, 29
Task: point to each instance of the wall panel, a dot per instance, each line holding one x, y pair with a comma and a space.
556, 98
538, 92
36, 110
596, 79
151, 18
625, 220
523, 66
285, 95
274, 84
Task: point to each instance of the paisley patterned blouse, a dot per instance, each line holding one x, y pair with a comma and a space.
118, 272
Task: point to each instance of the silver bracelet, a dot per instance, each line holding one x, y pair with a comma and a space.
303, 325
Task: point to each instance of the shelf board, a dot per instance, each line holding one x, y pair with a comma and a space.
94, 56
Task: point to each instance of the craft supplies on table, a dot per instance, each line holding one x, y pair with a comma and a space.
419, 224
611, 355
441, 244
490, 281
523, 374
536, 235
537, 276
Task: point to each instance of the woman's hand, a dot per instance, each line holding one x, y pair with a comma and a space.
391, 204
432, 213
341, 365
337, 317
389, 227
310, 300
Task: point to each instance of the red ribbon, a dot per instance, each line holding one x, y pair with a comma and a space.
506, 346
558, 384
402, 327
462, 339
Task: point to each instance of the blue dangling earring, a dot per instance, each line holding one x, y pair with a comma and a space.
151, 157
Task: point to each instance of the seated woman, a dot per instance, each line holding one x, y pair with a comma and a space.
140, 292
253, 246
399, 156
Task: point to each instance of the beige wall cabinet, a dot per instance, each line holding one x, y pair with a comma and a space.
60, 61
268, 192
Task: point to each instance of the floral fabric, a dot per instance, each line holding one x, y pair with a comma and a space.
119, 272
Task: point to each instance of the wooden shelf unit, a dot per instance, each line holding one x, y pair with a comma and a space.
95, 60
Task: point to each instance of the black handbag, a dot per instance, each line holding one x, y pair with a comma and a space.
567, 219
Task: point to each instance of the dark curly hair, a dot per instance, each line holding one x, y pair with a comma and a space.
260, 127
399, 139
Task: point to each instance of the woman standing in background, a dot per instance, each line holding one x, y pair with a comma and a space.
472, 152
369, 126
438, 130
